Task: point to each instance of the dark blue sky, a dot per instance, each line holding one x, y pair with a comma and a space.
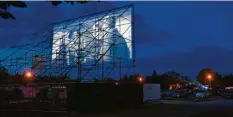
181, 36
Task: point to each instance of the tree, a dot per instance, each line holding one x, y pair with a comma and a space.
168, 79
186, 78
173, 74
132, 77
203, 74
108, 79
125, 78
4, 5
68, 78
4, 75
16, 79
154, 74
227, 80
218, 79
209, 77
95, 80
153, 78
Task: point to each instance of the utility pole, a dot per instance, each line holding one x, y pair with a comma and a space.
79, 69
120, 68
79, 56
102, 74
16, 66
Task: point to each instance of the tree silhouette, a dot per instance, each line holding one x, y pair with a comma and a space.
186, 78
166, 80
202, 76
154, 74
95, 80
218, 79
173, 74
5, 5
4, 75
227, 80
132, 77
16, 79
125, 78
153, 78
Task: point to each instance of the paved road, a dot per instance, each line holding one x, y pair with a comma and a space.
209, 104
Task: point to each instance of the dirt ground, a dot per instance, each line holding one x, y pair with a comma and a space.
181, 109
159, 110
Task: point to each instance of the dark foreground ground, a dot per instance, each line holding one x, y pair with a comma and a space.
220, 108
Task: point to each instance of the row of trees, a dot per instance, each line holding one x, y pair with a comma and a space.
215, 79
6, 78
165, 79
173, 77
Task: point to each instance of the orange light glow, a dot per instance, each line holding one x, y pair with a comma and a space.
28, 74
178, 86
209, 76
140, 79
170, 87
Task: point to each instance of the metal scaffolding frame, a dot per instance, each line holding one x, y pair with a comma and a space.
96, 53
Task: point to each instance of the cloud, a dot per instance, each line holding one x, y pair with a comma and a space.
147, 34
190, 63
37, 18
28, 21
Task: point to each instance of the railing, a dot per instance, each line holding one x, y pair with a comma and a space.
34, 96
71, 96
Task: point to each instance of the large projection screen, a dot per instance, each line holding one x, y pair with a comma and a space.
105, 36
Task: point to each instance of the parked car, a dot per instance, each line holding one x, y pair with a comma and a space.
176, 95
180, 93
202, 94
226, 93
167, 93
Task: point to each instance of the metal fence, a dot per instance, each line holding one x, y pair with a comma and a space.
34, 96
71, 96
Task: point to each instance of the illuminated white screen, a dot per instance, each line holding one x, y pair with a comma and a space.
106, 36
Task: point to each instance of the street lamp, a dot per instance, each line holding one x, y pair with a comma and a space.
28, 75
209, 77
140, 80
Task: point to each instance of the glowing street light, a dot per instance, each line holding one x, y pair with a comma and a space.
28, 74
140, 79
209, 76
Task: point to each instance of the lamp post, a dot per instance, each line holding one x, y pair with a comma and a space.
140, 79
209, 77
28, 76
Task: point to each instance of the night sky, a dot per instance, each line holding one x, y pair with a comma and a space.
181, 36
